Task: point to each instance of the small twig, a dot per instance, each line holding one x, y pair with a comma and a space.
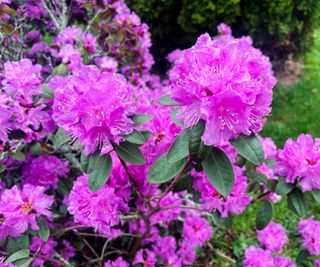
260, 196
54, 19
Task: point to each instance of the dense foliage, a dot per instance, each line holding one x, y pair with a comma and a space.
105, 164
278, 28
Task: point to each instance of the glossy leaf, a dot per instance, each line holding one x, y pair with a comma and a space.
264, 215
162, 170
250, 148
179, 149
297, 202
219, 171
130, 153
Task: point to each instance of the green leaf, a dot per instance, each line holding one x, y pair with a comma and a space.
21, 254
297, 202
99, 169
264, 215
302, 256
258, 177
44, 231
226, 222
60, 138
179, 149
162, 171
283, 188
47, 92
316, 195
146, 134
250, 148
141, 119
9, 11
60, 70
197, 149
270, 163
19, 155
167, 101
219, 171
64, 187
18, 243
35, 149
2, 168
130, 153
135, 137
271, 185
24, 262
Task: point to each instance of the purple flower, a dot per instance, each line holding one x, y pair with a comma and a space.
300, 160
22, 78
225, 82
100, 210
22, 207
224, 29
211, 200
273, 237
97, 108
309, 229
145, 257
257, 257
283, 262
196, 230
44, 171
119, 262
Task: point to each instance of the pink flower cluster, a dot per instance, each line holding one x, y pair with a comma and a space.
224, 81
211, 200
309, 229
272, 239
44, 171
300, 160
21, 108
257, 257
19, 209
100, 210
97, 108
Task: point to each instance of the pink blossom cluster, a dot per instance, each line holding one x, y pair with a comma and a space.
271, 239
211, 200
257, 257
44, 171
300, 161
97, 108
100, 210
19, 209
309, 229
224, 81
21, 106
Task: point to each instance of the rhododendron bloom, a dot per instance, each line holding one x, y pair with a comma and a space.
22, 207
196, 230
145, 257
211, 200
100, 210
119, 262
300, 160
227, 83
257, 257
22, 78
310, 232
96, 108
283, 262
45, 171
273, 237
45, 248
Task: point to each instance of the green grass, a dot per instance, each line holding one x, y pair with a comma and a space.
296, 109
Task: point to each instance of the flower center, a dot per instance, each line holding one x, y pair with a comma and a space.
26, 207
159, 137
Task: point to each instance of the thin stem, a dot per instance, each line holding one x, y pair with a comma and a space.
54, 19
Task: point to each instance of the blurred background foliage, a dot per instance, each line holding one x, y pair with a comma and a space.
278, 27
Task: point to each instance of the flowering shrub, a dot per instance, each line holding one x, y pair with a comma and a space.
105, 164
